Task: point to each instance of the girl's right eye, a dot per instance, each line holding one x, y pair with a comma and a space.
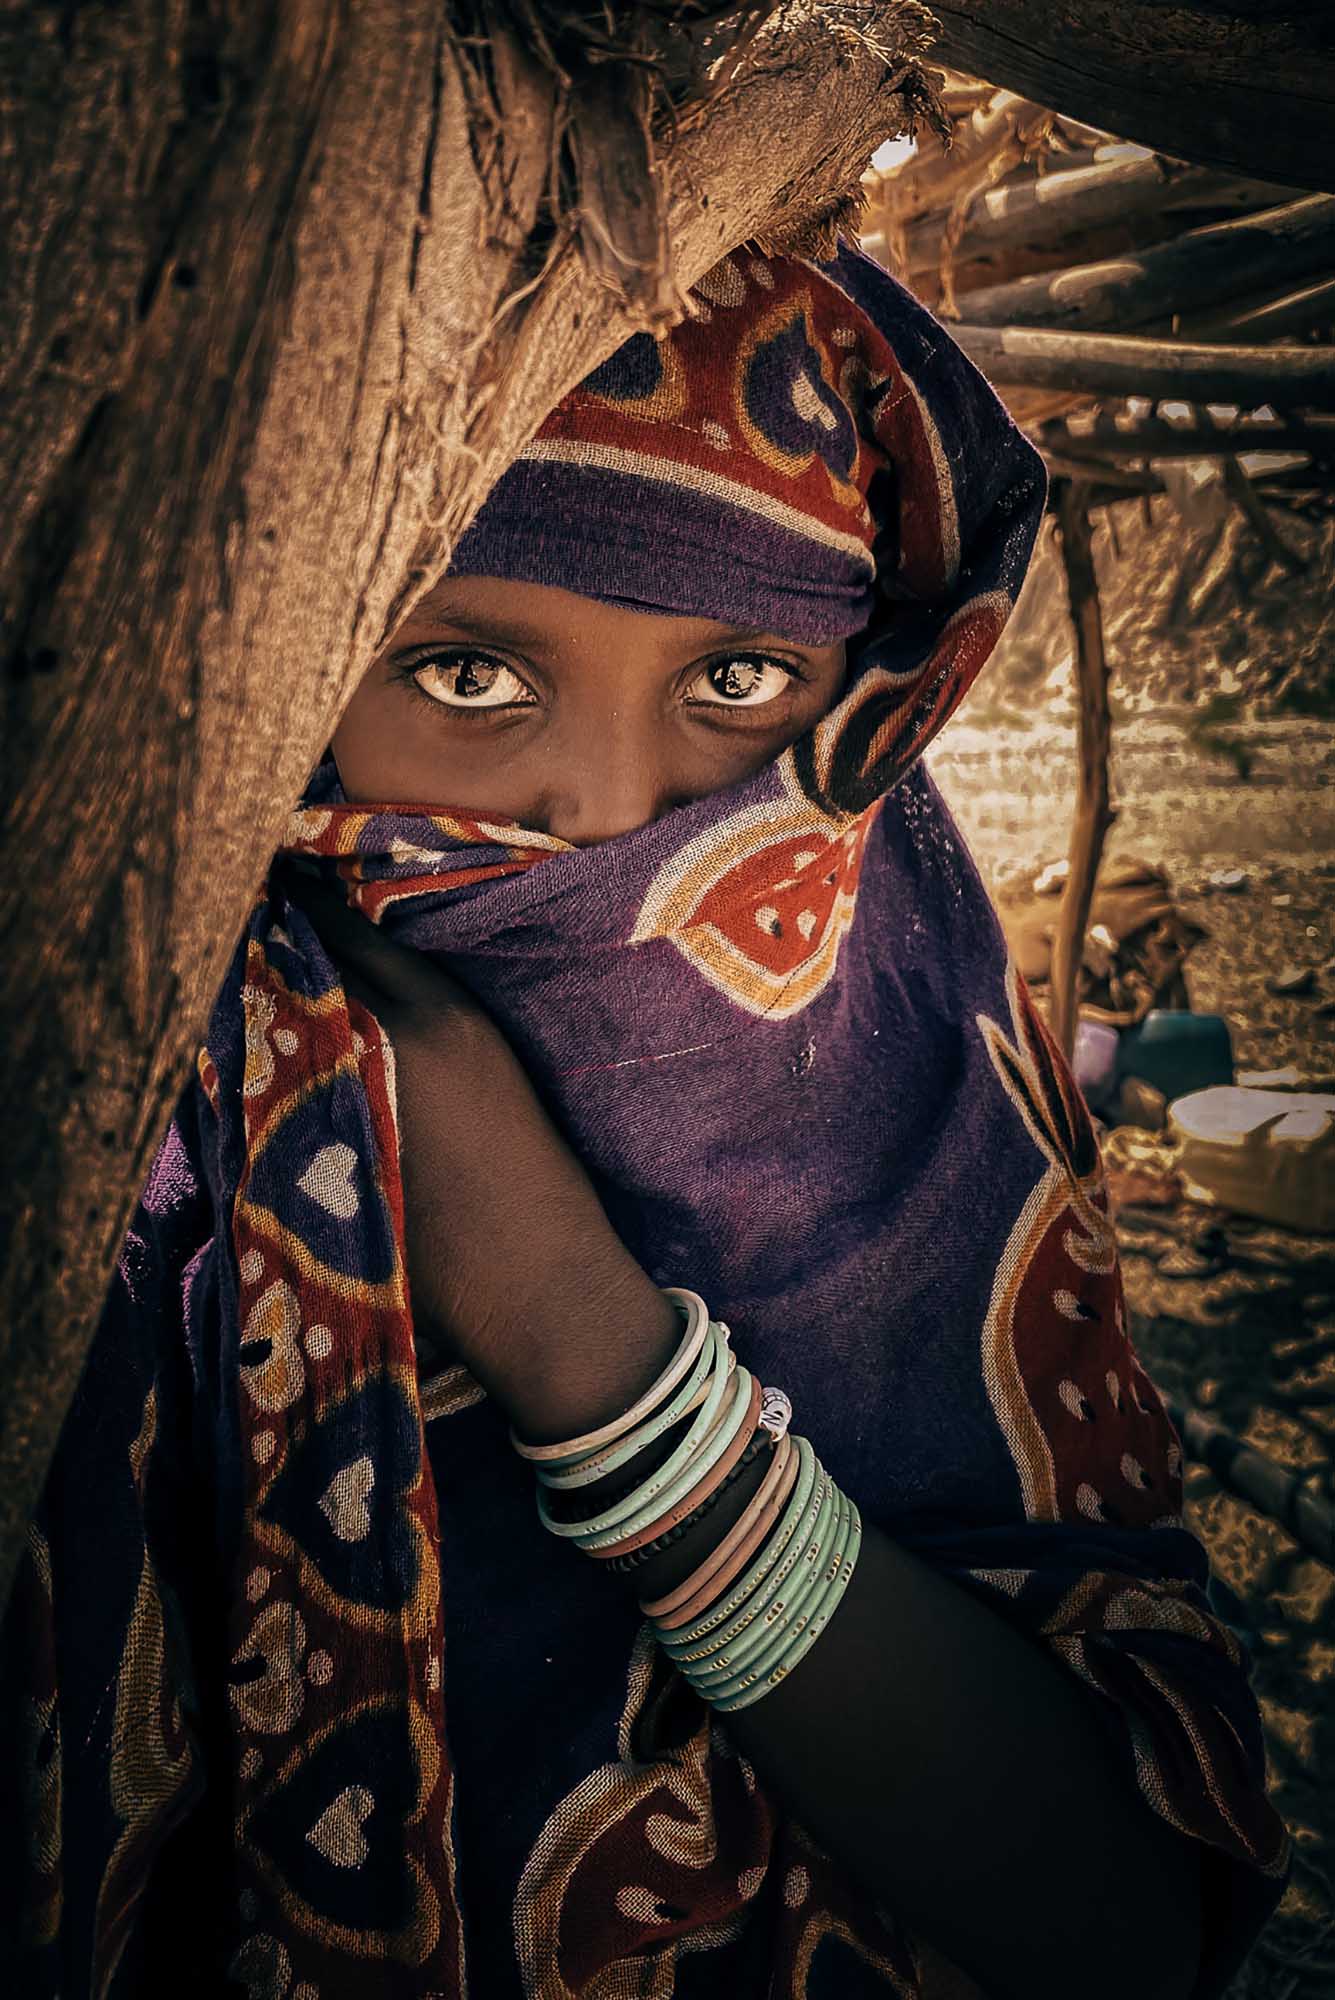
469, 680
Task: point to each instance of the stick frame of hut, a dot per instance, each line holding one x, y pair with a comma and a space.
1086, 352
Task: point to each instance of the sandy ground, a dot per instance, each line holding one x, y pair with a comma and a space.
1255, 1344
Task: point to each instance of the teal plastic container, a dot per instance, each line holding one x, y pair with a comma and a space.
1177, 1052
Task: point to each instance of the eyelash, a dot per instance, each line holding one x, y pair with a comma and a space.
406, 670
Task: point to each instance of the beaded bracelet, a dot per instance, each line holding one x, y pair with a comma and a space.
761, 1439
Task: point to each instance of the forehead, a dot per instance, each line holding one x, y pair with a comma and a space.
541, 614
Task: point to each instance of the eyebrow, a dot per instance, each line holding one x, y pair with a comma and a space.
517, 632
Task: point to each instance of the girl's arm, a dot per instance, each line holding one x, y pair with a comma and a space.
942, 1756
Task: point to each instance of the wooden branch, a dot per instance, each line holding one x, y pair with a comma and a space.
1250, 89
1093, 810
1290, 378
1057, 207
1088, 467
279, 306
1265, 318
1153, 437
1197, 269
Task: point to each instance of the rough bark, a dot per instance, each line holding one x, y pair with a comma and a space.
289, 282
1247, 85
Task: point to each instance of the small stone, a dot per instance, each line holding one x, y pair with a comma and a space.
1280, 902
1207, 1392
1293, 981
1229, 881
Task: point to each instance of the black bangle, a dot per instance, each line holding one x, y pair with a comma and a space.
760, 1437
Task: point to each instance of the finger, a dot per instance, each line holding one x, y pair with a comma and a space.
391, 971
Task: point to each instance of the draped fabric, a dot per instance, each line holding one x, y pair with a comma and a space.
302, 1695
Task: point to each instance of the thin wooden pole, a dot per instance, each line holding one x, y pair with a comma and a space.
1094, 813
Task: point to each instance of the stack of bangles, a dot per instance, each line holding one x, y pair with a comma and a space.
759, 1601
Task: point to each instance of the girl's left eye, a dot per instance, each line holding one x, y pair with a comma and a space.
747, 680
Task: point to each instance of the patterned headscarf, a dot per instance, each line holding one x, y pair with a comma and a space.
292, 1633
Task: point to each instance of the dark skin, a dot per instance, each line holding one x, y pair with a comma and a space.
944, 1758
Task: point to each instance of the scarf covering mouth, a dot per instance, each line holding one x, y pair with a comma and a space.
301, 1685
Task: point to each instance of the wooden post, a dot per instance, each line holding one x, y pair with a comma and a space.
1094, 813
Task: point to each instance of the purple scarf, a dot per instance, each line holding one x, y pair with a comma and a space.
292, 1634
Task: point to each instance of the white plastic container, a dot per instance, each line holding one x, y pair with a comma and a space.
1268, 1153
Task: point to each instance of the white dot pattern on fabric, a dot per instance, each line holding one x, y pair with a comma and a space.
343, 1502
257, 1583
262, 1447
762, 274
251, 1267
1133, 1471
806, 922
1088, 1501
1073, 1400
641, 1905
337, 1834
749, 1881
329, 1180
318, 1342
845, 336
358, 1045
433, 1672
1114, 1388
724, 285
716, 433
808, 404
320, 1668
286, 1041
1067, 1304
767, 920
1173, 1458
248, 1766
796, 1887
805, 859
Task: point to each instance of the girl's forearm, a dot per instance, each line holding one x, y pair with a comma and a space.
957, 1771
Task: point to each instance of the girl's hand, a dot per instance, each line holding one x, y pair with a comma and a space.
513, 1267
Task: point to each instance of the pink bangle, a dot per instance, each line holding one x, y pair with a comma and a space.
690, 1501
713, 1576
697, 1326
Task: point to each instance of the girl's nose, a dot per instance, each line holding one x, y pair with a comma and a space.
617, 784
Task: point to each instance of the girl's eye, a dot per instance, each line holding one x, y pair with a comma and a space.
746, 681
470, 680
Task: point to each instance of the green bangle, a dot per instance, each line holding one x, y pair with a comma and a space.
655, 1500
796, 1534
818, 1622
719, 1671
808, 1471
689, 1444
803, 1609
586, 1470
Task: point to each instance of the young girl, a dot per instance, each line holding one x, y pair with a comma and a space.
613, 1463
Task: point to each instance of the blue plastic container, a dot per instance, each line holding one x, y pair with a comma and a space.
1177, 1052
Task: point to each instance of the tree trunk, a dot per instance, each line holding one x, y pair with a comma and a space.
1247, 85
289, 283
